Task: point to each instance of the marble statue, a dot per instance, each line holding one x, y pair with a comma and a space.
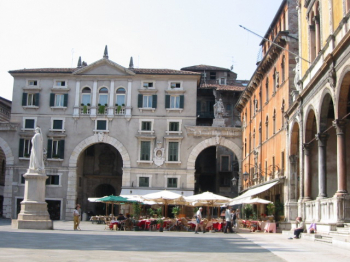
36, 162
219, 109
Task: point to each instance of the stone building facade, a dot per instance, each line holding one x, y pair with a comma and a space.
318, 126
262, 107
108, 129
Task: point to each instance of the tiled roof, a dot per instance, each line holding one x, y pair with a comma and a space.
147, 71
204, 67
222, 87
45, 70
150, 71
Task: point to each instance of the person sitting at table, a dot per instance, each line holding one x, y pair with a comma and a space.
234, 217
121, 217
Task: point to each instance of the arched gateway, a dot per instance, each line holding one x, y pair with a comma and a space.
73, 165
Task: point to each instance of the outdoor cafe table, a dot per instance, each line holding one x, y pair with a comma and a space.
270, 227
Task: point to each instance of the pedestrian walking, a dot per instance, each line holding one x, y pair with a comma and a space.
228, 218
198, 220
76, 217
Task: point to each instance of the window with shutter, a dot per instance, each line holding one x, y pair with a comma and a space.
145, 150
173, 151
101, 125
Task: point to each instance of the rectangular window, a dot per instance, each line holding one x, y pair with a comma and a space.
212, 75
145, 153
86, 99
23, 180
55, 149
27, 148
225, 163
175, 85
57, 124
147, 84
174, 102
101, 124
147, 101
29, 123
31, 100
103, 99
174, 126
143, 181
32, 82
172, 182
173, 151
53, 180
223, 81
59, 100
146, 126
60, 83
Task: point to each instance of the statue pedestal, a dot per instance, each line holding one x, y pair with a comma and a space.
219, 122
34, 214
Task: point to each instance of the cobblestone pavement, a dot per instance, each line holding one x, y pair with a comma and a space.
94, 243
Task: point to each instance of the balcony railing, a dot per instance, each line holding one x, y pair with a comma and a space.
85, 110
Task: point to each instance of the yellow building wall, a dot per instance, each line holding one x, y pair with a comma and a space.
337, 12
325, 23
304, 39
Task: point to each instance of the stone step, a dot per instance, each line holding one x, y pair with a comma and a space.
323, 238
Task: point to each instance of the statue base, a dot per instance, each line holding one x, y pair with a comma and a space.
34, 214
219, 122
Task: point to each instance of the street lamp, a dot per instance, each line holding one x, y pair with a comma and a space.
234, 181
245, 176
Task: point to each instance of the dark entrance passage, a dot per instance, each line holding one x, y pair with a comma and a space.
53, 207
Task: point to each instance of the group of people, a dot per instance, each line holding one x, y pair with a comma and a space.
230, 215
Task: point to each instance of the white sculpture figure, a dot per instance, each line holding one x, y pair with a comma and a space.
36, 162
219, 109
297, 74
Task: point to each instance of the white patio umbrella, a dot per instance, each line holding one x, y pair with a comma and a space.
165, 197
140, 199
207, 199
257, 200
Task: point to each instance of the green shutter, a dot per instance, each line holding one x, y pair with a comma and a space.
65, 102
36, 99
21, 147
173, 151
52, 99
154, 101
145, 150
24, 99
167, 101
140, 98
61, 149
49, 148
101, 125
182, 101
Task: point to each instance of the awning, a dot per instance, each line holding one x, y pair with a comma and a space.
251, 192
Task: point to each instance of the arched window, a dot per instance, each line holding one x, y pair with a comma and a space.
267, 90
103, 96
312, 44
282, 112
120, 96
260, 100
260, 133
254, 139
283, 68
267, 127
275, 80
274, 121
86, 96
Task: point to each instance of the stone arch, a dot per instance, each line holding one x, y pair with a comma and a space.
342, 93
213, 142
7, 151
73, 160
309, 113
324, 108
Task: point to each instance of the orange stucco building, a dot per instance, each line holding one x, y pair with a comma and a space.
262, 107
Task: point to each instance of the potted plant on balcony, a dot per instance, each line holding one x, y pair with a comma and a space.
101, 109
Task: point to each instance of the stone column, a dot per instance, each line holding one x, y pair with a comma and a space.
322, 165
307, 172
111, 98
94, 99
128, 101
341, 156
76, 101
292, 178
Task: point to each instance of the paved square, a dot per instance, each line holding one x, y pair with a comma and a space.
94, 243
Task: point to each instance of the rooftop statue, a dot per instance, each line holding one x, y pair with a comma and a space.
219, 109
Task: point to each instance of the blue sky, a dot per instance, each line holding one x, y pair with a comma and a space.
158, 34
